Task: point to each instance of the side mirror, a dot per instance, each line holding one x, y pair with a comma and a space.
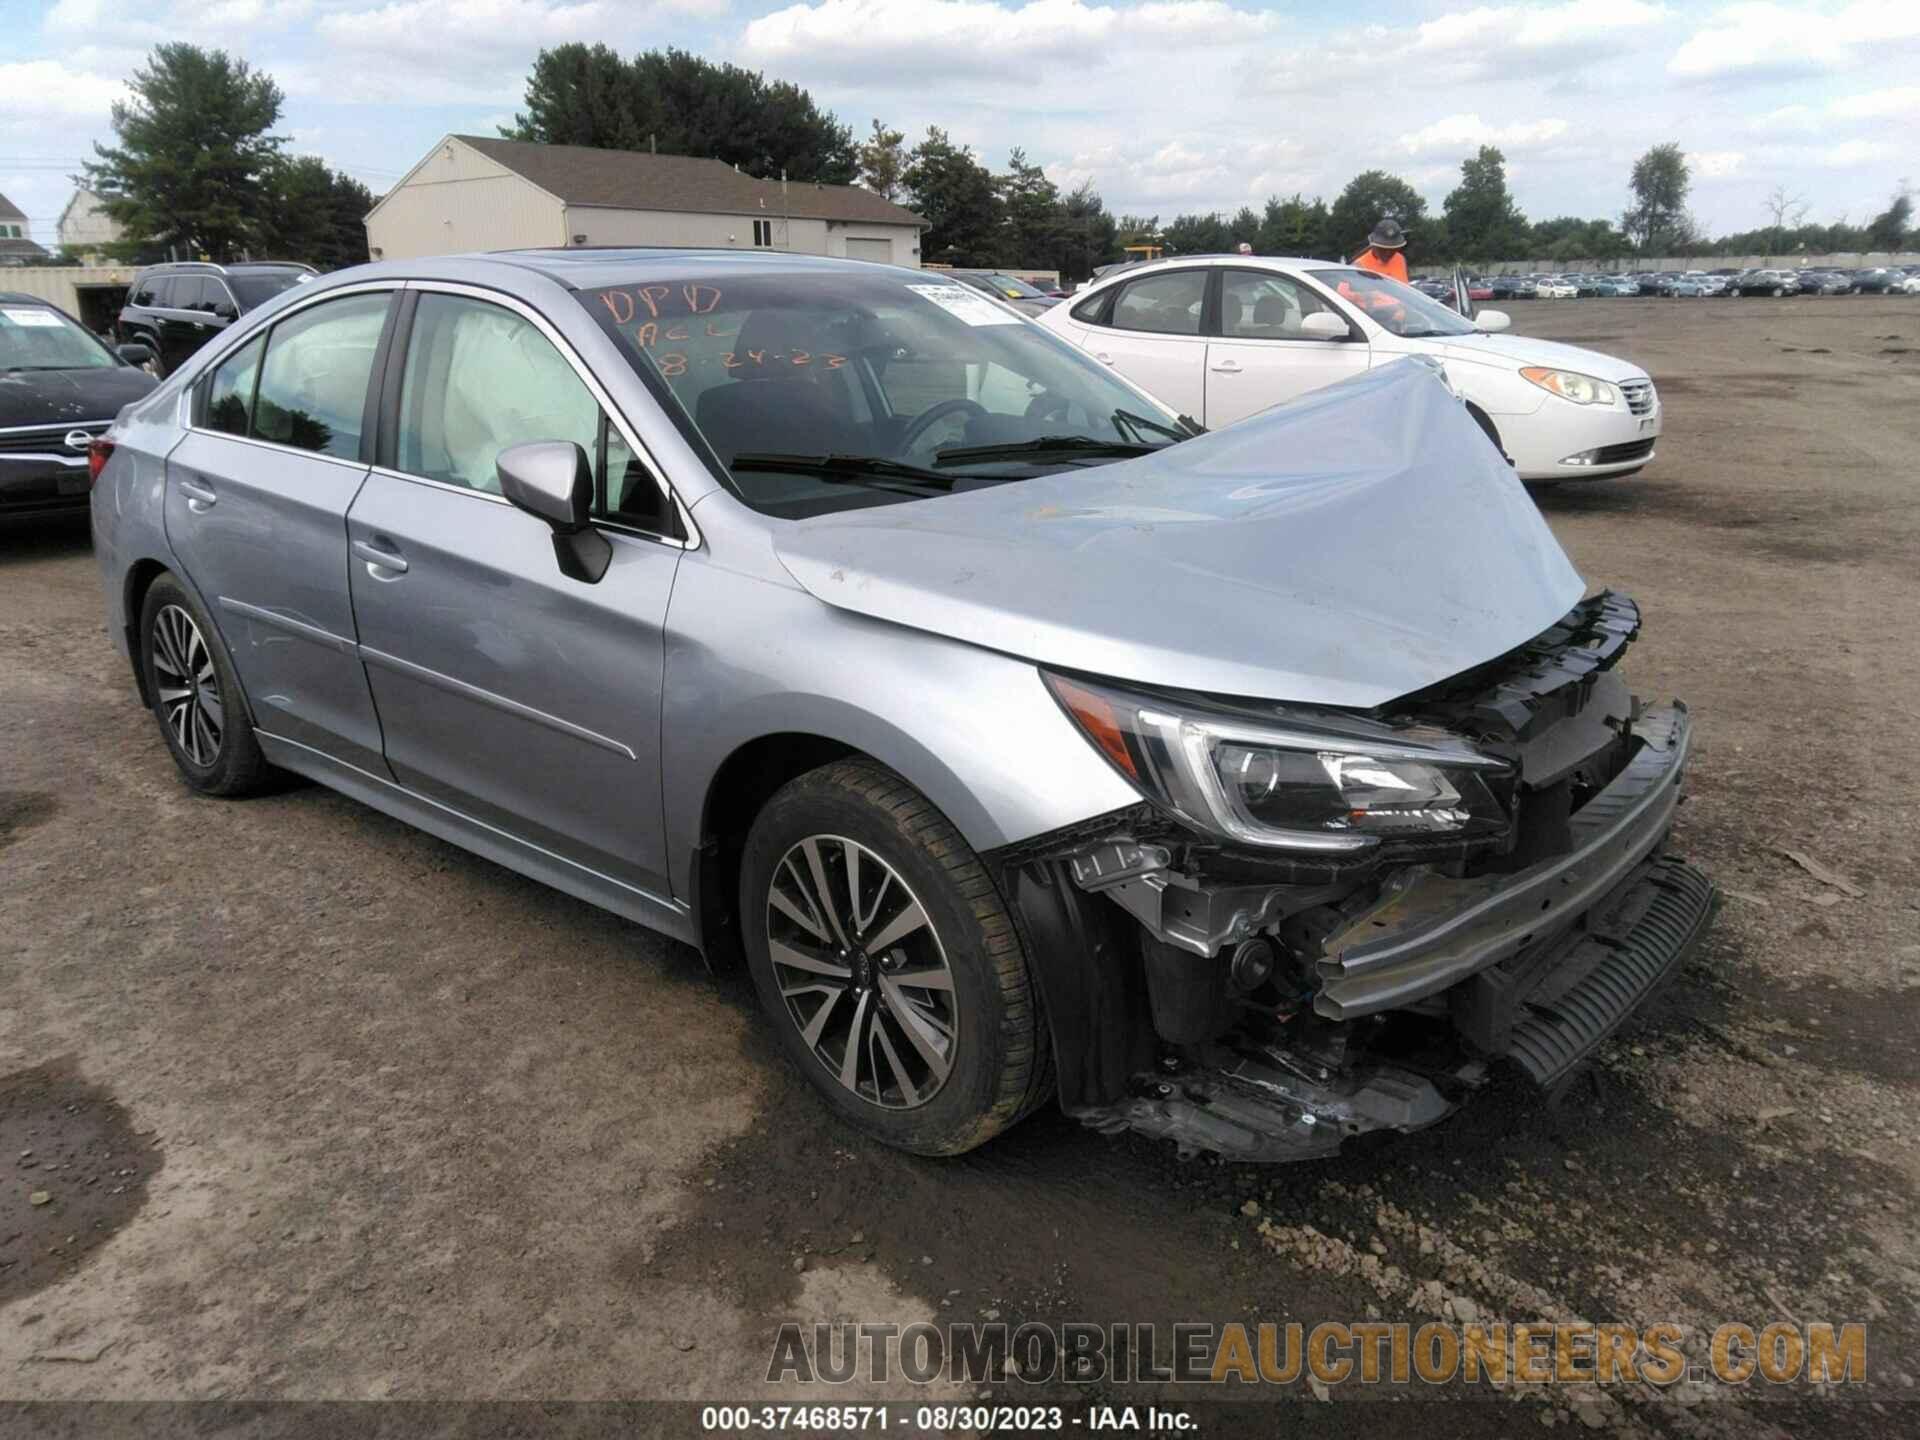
225, 312
552, 480
1491, 321
1323, 325
135, 352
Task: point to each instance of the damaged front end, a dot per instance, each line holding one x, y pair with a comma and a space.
1323, 924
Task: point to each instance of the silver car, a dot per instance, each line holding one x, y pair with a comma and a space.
1251, 789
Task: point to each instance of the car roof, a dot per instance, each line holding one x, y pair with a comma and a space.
587, 267
1286, 264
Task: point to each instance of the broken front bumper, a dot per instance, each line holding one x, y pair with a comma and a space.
1428, 932
1534, 967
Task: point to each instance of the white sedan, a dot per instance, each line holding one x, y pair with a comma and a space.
1222, 337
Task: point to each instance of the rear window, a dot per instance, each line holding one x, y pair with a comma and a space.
256, 287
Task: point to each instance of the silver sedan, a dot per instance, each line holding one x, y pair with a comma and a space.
1024, 742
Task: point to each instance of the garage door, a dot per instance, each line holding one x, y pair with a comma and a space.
880, 250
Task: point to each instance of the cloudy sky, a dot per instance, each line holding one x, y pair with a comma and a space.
1168, 105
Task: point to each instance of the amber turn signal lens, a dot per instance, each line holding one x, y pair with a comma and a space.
1096, 717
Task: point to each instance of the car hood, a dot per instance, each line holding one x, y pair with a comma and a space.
68, 397
1518, 350
1346, 548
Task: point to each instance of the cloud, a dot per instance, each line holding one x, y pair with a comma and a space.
1716, 164
48, 89
1852, 154
1466, 133
442, 52
1533, 27
1765, 40
1879, 104
886, 40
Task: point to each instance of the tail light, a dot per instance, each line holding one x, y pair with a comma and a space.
98, 453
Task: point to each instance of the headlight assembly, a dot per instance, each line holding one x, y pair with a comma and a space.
1571, 385
1288, 786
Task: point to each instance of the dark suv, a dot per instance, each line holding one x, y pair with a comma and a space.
176, 308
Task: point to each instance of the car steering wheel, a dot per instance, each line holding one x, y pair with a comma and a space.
927, 418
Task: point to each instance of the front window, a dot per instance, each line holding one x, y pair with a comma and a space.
480, 379
1396, 308
1012, 287
1261, 305
256, 287
869, 389
34, 337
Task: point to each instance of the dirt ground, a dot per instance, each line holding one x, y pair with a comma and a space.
323, 1108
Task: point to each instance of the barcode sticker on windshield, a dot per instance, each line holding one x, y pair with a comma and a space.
31, 318
969, 305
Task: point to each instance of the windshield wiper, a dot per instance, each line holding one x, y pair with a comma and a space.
1044, 445
850, 469
1141, 423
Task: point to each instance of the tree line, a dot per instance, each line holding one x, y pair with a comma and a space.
196, 170
679, 103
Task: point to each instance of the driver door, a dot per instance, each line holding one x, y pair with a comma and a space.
508, 692
1261, 357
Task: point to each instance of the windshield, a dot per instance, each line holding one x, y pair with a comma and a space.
1394, 307
256, 287
1014, 288
34, 337
881, 368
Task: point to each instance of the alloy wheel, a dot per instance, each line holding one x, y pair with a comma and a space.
862, 971
188, 685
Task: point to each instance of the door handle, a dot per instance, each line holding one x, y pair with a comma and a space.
200, 499
1103, 359
1226, 367
380, 557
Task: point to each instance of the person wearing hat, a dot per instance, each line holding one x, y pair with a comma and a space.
1385, 252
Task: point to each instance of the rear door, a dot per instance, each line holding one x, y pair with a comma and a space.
256, 509
1260, 357
1154, 335
179, 333
508, 692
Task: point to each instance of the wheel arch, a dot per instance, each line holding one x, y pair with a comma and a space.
139, 579
1492, 431
739, 789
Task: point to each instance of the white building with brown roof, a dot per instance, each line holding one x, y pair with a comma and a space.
475, 193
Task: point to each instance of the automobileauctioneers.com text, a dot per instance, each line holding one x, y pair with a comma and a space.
1367, 1352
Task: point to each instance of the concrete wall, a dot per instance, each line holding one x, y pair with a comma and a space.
93, 293
457, 200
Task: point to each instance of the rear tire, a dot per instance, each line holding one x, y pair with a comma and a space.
196, 695
853, 887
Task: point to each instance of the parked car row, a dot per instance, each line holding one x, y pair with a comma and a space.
1693, 284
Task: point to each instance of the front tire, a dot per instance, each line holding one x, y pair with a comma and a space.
887, 963
196, 695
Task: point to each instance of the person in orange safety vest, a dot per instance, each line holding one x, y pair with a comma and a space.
1386, 251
